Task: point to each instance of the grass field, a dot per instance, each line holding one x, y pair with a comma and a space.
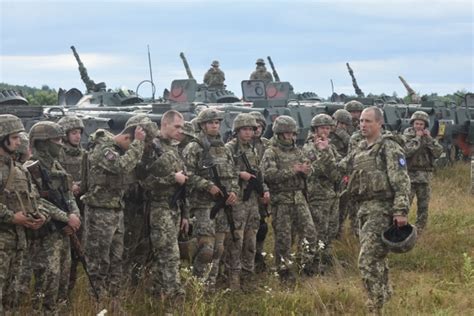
436, 278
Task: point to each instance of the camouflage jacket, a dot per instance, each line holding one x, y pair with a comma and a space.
421, 154
260, 144
261, 73
340, 139
110, 170
71, 160
379, 172
323, 181
197, 155
285, 185
214, 78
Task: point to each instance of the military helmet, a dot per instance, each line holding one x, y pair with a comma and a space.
69, 123
259, 118
215, 63
322, 120
10, 124
150, 127
188, 129
260, 61
24, 143
244, 120
420, 115
400, 239
343, 116
45, 130
353, 106
284, 124
207, 115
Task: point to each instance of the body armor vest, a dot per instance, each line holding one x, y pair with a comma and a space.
285, 160
421, 160
71, 160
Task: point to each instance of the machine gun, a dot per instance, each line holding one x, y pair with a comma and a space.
275, 74
414, 97
358, 91
91, 86
186, 66
255, 183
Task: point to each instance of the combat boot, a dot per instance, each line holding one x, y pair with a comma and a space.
234, 281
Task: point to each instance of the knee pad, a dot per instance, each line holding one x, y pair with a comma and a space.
262, 232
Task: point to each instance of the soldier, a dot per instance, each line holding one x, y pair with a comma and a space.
241, 252
355, 108
261, 72
260, 144
379, 182
421, 151
215, 77
340, 136
51, 246
187, 136
16, 209
323, 197
285, 169
71, 160
110, 160
204, 157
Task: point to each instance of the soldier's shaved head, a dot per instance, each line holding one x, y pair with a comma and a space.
378, 113
170, 116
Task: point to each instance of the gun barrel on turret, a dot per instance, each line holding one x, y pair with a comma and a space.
275, 74
414, 97
90, 84
357, 89
186, 66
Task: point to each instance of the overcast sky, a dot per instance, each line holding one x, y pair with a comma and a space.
430, 43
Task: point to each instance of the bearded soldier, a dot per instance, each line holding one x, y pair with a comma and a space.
215, 77
51, 246
422, 150
323, 197
208, 161
110, 160
286, 169
261, 72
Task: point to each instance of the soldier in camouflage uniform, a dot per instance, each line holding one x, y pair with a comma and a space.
18, 210
165, 176
188, 135
421, 151
355, 108
260, 144
207, 150
285, 169
379, 182
110, 160
71, 160
215, 77
340, 136
51, 246
241, 252
323, 197
261, 72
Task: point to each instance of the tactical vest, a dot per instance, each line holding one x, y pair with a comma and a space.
285, 160
221, 158
369, 179
71, 160
421, 160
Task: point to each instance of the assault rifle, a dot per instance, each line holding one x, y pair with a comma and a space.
255, 183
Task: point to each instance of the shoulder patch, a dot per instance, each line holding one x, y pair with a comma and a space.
402, 161
110, 155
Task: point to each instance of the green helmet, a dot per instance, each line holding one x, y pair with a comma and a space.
208, 114
244, 120
400, 239
69, 123
284, 124
353, 106
10, 124
343, 116
150, 127
188, 129
260, 61
420, 115
45, 130
322, 120
259, 118
24, 143
215, 63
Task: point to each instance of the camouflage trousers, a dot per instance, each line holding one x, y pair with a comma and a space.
240, 254
325, 214
164, 230
422, 191
8, 257
293, 220
104, 248
373, 264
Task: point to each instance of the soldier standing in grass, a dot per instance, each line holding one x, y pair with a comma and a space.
379, 182
421, 150
285, 169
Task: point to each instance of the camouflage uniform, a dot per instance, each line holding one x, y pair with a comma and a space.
214, 77
108, 168
291, 215
164, 218
210, 233
50, 246
261, 73
379, 182
340, 137
421, 153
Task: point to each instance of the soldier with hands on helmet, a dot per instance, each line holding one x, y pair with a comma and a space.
323, 197
206, 153
286, 169
215, 77
421, 150
261, 72
380, 184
